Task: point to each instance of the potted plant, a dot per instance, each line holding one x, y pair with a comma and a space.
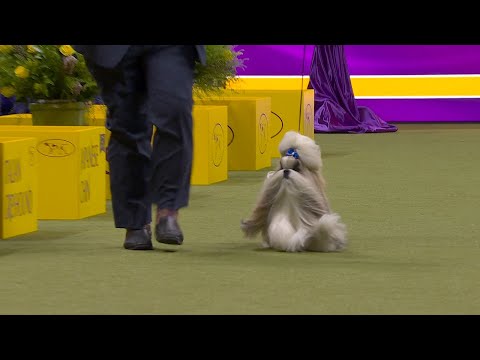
58, 87
53, 79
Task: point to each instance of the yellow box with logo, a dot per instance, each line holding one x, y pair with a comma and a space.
97, 116
71, 169
210, 136
249, 135
16, 119
292, 104
19, 191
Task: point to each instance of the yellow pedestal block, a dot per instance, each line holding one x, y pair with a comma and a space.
16, 119
19, 191
249, 143
210, 155
97, 116
71, 169
292, 109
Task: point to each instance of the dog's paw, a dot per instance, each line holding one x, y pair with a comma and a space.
294, 247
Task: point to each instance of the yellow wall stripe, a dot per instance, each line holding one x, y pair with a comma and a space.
378, 86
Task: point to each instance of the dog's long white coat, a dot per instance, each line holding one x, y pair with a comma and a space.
292, 211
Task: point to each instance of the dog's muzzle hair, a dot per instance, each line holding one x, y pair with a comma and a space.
292, 211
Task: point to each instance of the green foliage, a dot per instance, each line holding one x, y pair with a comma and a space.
223, 62
45, 72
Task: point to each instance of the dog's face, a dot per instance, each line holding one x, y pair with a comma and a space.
300, 164
291, 173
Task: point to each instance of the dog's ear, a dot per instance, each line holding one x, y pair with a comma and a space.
307, 150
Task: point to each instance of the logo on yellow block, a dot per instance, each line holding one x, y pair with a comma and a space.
262, 133
217, 147
55, 148
308, 117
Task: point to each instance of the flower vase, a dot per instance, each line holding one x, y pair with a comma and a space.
58, 113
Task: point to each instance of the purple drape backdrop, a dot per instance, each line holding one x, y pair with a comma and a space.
383, 60
336, 109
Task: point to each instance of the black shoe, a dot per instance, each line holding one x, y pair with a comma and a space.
167, 231
138, 239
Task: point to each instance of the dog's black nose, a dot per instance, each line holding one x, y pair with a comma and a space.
286, 173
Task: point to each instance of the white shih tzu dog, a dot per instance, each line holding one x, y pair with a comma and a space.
292, 212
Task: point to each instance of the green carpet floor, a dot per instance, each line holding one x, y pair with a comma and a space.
411, 201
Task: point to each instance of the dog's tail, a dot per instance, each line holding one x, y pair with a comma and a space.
329, 234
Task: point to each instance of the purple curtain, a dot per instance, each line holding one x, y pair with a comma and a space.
336, 110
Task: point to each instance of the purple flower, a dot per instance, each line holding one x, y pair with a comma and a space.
77, 89
69, 63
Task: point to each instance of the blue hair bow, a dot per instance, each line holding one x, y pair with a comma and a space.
292, 152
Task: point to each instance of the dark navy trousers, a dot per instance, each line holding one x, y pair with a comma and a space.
150, 88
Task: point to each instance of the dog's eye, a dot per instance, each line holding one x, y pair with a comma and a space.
296, 168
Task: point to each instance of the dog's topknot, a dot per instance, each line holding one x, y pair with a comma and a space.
308, 151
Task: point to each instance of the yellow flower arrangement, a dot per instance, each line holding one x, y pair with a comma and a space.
57, 72
22, 72
32, 49
45, 72
7, 91
67, 50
